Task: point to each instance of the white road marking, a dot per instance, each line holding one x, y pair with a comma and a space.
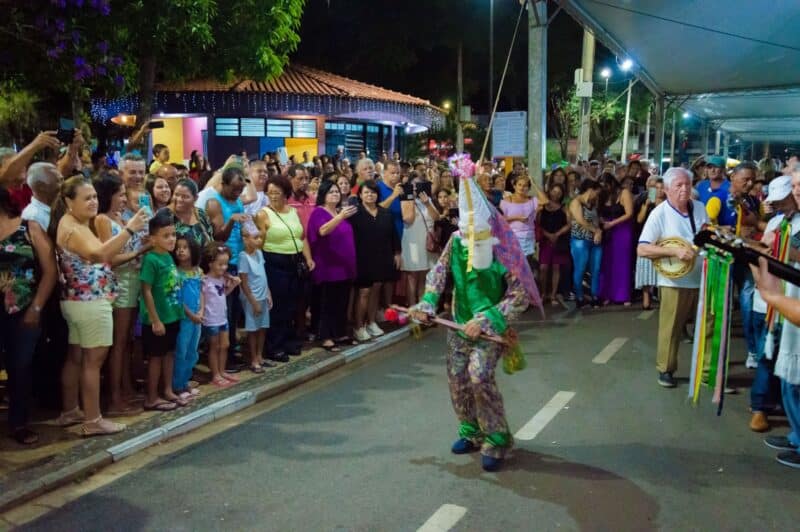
608, 351
443, 519
645, 314
544, 416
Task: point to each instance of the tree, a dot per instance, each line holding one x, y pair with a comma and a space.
80, 48
563, 116
17, 113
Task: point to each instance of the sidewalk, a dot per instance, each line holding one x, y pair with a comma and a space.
62, 455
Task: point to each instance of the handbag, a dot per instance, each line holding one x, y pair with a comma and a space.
432, 242
303, 272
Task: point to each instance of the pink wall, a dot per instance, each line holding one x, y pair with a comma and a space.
192, 139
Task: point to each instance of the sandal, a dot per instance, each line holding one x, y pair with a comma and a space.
179, 401
230, 378
73, 417
25, 436
257, 369
101, 427
160, 405
346, 340
220, 382
333, 348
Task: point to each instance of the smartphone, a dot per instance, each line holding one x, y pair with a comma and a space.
651, 194
408, 191
65, 136
352, 201
66, 130
156, 124
144, 203
452, 213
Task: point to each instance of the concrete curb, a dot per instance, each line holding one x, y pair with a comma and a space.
19, 494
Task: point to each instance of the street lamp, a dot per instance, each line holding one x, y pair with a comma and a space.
605, 74
686, 115
446, 105
625, 67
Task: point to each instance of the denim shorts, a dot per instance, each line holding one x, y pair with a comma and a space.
214, 330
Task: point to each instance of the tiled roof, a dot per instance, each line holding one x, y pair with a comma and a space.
298, 79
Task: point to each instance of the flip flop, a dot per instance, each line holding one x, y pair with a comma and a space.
180, 401
331, 348
257, 369
161, 406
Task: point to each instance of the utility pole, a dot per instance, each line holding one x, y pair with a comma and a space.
537, 88
626, 129
459, 104
587, 66
716, 144
658, 125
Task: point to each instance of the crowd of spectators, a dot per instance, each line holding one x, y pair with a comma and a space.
165, 262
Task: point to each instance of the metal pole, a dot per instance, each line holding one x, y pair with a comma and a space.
647, 134
725, 147
626, 129
587, 64
658, 138
537, 89
705, 139
752, 151
717, 142
460, 103
491, 55
672, 141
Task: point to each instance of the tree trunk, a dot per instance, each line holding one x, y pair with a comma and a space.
147, 82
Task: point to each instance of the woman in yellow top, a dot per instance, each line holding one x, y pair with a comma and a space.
285, 248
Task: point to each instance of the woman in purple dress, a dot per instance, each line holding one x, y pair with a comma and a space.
616, 215
330, 237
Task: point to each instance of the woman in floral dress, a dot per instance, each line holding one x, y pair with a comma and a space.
27, 276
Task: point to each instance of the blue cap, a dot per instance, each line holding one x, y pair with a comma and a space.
716, 160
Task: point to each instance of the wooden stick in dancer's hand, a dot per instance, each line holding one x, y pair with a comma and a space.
453, 325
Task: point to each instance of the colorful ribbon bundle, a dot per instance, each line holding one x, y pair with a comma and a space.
715, 300
780, 250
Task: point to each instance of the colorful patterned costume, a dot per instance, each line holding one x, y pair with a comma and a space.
492, 284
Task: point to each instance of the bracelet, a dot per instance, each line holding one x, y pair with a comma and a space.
129, 230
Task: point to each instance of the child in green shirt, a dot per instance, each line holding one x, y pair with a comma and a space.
161, 312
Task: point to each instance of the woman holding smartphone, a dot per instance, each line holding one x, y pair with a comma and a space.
330, 237
419, 217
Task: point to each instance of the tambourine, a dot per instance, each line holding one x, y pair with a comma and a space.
672, 267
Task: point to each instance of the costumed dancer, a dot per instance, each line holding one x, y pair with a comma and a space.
492, 284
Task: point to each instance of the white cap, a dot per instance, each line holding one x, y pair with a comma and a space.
779, 188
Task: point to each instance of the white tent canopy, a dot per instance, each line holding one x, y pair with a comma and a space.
734, 63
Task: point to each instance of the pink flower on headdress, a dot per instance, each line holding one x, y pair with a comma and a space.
461, 165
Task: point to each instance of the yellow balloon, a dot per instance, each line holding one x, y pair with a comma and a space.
713, 207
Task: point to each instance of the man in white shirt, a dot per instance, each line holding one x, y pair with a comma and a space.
681, 217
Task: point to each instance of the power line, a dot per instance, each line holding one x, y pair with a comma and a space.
695, 26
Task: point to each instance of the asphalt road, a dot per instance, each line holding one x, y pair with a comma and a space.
370, 451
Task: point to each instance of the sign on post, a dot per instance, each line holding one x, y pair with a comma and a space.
509, 134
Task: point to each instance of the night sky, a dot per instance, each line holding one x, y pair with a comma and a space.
411, 46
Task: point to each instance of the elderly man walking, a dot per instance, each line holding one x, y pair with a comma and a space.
679, 216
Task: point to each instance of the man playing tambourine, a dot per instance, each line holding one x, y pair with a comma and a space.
667, 239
